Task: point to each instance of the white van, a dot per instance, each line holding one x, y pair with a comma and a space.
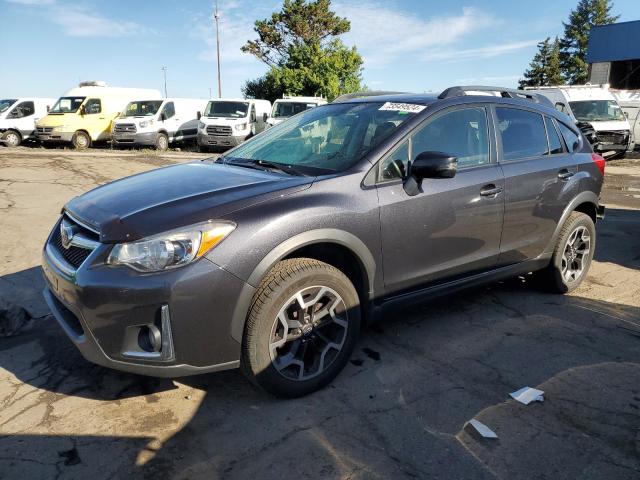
629, 101
158, 122
18, 118
595, 105
288, 106
84, 114
229, 122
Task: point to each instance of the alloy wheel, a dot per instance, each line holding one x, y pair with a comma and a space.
576, 253
308, 333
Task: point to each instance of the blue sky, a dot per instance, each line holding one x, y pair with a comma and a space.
407, 45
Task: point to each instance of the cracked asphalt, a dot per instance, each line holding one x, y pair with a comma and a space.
397, 411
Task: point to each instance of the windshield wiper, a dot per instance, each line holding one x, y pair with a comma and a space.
262, 165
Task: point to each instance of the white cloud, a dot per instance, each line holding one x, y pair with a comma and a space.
479, 52
382, 33
32, 2
77, 22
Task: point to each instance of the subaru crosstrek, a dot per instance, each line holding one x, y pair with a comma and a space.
273, 256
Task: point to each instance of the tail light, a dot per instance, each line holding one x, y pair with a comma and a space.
599, 161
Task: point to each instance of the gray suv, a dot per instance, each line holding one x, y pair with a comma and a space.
274, 256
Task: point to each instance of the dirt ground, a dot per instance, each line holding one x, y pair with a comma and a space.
397, 411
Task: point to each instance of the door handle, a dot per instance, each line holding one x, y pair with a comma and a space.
565, 174
490, 190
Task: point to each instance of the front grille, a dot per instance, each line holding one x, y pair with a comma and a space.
44, 129
73, 255
125, 128
220, 130
621, 137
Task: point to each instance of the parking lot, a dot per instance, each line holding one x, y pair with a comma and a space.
397, 411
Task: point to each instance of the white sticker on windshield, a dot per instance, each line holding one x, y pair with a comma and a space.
403, 107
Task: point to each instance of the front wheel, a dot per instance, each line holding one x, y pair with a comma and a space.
81, 140
12, 138
573, 253
301, 329
162, 142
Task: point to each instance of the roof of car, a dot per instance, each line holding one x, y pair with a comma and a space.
417, 98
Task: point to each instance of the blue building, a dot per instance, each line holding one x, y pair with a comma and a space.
613, 55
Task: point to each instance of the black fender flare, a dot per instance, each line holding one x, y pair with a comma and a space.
582, 197
323, 235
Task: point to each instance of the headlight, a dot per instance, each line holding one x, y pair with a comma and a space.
241, 126
201, 125
146, 123
171, 249
60, 128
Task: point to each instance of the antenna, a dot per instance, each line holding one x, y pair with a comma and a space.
216, 16
164, 74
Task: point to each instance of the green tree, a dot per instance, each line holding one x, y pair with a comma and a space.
304, 55
544, 69
573, 46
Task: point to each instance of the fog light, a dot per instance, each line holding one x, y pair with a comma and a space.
150, 338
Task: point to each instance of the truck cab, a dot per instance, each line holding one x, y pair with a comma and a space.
18, 118
596, 106
229, 122
287, 106
84, 114
157, 123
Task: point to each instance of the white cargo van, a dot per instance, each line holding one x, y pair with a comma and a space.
595, 105
629, 101
288, 106
84, 114
18, 118
158, 123
229, 122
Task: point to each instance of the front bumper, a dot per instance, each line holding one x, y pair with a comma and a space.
101, 309
206, 140
53, 136
134, 139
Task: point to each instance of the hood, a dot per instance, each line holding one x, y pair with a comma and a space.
56, 119
610, 125
177, 196
223, 120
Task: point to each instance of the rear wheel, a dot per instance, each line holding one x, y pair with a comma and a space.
81, 140
162, 142
12, 138
573, 253
301, 329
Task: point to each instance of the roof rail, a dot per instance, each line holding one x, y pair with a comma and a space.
460, 91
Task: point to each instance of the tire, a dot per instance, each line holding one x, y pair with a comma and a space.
270, 360
578, 232
12, 138
162, 142
81, 140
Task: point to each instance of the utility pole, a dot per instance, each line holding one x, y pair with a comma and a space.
164, 74
216, 16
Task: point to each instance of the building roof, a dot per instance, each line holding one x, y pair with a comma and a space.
618, 41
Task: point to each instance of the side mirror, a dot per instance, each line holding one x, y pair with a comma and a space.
199, 115
83, 110
265, 117
48, 108
429, 165
163, 117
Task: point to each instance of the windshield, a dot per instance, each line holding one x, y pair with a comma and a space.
67, 105
227, 109
142, 109
5, 104
326, 139
288, 109
596, 111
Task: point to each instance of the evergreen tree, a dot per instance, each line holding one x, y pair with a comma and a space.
544, 69
305, 57
573, 46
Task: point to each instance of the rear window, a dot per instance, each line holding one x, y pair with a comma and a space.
571, 139
555, 145
523, 133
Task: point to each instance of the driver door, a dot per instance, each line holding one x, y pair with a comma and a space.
454, 226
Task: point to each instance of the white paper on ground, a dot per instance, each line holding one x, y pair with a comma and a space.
527, 395
481, 428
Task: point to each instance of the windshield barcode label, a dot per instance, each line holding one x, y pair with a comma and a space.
402, 107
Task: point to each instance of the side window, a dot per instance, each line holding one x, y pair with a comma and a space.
555, 145
571, 139
93, 106
395, 164
461, 132
169, 110
24, 109
523, 133
561, 107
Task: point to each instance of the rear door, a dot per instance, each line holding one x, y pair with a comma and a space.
538, 169
453, 227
